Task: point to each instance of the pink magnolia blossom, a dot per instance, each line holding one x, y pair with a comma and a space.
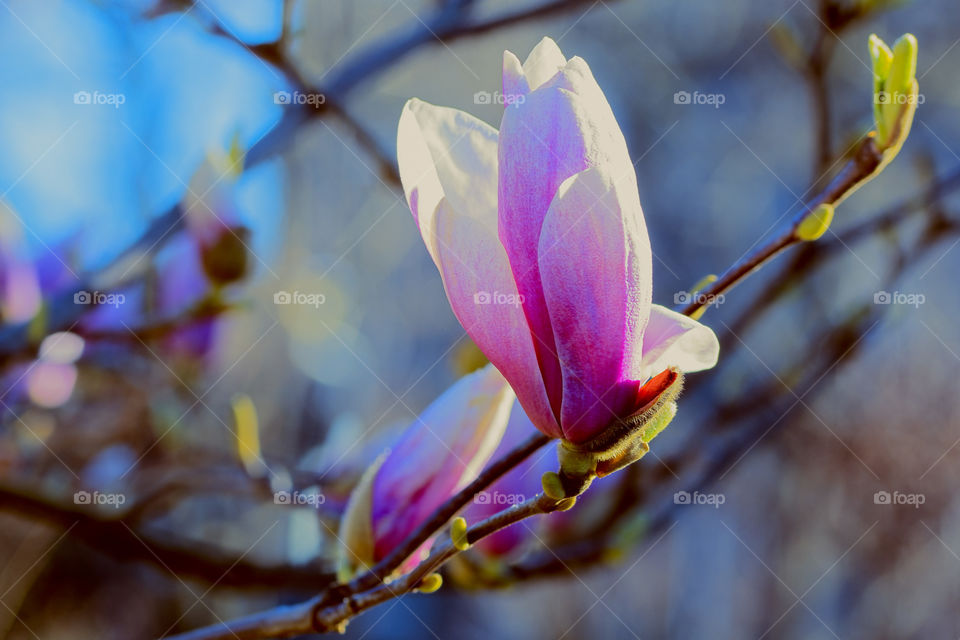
441, 451
541, 243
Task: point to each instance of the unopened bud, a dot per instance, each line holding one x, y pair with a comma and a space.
553, 486
430, 583
816, 223
458, 534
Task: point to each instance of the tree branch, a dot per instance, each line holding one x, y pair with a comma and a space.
314, 616
124, 540
861, 167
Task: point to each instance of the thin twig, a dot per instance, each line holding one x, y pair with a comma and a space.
123, 539
861, 167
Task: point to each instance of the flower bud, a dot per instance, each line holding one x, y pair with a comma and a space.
816, 223
458, 533
213, 219
430, 583
442, 451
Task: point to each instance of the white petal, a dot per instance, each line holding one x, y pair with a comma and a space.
672, 339
446, 153
543, 63
514, 83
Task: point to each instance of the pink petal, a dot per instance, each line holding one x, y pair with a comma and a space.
444, 449
561, 128
483, 295
595, 261
448, 165
514, 82
672, 339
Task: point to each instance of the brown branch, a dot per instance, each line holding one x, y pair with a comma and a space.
812, 254
451, 21
123, 539
861, 167
314, 616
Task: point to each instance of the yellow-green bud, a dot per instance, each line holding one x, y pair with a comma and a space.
553, 486
430, 583
458, 533
903, 68
881, 56
816, 223
895, 92
659, 422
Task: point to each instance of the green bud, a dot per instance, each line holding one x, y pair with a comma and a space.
566, 504
881, 56
659, 422
553, 485
816, 223
704, 282
458, 533
903, 69
895, 93
430, 583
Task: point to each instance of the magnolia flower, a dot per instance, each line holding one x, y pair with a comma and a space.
443, 450
540, 241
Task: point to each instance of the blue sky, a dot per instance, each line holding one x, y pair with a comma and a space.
168, 92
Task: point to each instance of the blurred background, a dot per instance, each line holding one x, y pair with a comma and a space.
212, 291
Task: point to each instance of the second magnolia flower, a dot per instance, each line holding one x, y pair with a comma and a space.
546, 211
